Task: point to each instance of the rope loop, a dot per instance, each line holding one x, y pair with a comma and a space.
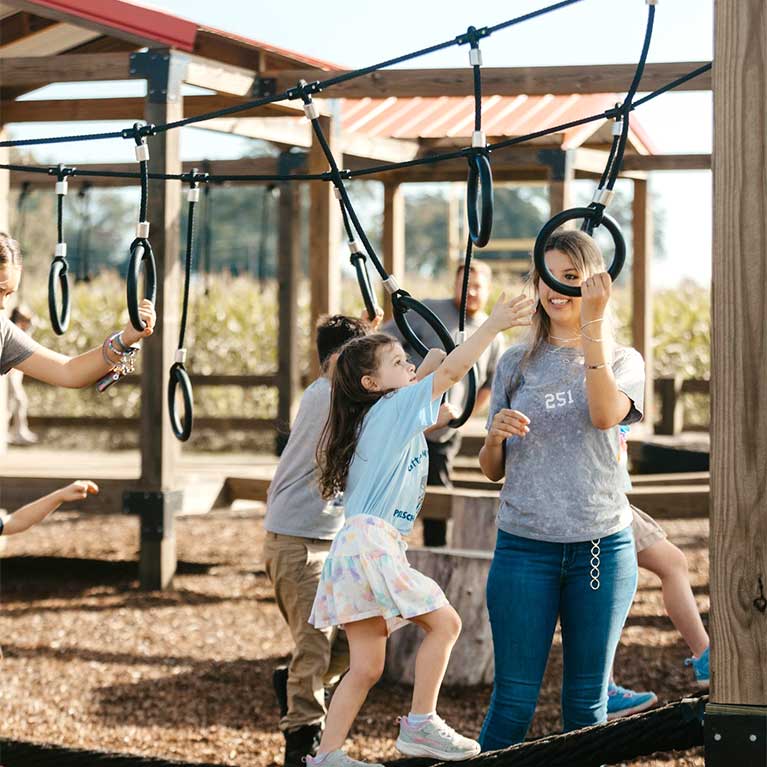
539, 252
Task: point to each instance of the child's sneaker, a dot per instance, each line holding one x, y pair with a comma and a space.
337, 758
623, 702
700, 667
434, 738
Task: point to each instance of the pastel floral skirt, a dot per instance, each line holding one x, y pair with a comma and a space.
366, 574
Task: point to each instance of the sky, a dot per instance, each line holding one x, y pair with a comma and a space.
355, 34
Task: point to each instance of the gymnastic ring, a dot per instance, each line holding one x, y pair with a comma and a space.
539, 253
59, 319
403, 302
480, 175
179, 377
140, 253
363, 280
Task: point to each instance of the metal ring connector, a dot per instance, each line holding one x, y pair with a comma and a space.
618, 127
311, 111
391, 285
337, 193
180, 356
61, 250
478, 139
142, 230
354, 246
603, 197
475, 57
62, 187
142, 152
193, 194
460, 337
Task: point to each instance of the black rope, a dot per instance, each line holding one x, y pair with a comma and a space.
141, 254
59, 271
84, 233
178, 377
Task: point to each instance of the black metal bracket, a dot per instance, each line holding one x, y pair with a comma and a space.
735, 735
264, 87
164, 71
291, 161
556, 160
157, 511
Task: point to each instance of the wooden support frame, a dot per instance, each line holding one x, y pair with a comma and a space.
739, 359
393, 236
5, 186
561, 177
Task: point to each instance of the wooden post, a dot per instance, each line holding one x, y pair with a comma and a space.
324, 222
641, 290
5, 186
393, 235
738, 539
158, 500
671, 412
561, 176
288, 270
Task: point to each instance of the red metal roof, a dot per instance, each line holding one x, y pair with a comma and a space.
160, 26
431, 118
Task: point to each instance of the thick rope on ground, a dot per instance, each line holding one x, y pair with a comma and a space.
677, 726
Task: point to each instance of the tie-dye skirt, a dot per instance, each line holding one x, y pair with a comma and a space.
366, 574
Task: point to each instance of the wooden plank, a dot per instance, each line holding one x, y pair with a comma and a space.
289, 272
46, 42
653, 162
79, 67
739, 357
232, 423
324, 217
641, 289
393, 236
198, 379
5, 186
672, 501
497, 81
671, 419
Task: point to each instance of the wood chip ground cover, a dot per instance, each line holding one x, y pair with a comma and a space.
92, 662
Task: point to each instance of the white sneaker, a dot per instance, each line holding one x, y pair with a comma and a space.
434, 738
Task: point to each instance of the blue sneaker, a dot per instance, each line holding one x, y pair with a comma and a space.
623, 702
700, 667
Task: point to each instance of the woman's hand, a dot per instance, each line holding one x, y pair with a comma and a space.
512, 313
146, 311
595, 294
78, 490
507, 423
375, 323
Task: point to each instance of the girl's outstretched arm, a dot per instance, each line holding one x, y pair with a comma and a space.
506, 314
38, 510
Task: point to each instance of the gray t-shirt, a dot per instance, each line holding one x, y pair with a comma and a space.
447, 311
15, 345
294, 505
564, 482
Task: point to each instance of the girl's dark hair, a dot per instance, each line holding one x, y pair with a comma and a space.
349, 403
334, 331
10, 252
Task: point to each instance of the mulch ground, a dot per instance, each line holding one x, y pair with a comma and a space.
92, 662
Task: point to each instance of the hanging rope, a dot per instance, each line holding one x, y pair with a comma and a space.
141, 250
84, 233
57, 276
179, 378
594, 215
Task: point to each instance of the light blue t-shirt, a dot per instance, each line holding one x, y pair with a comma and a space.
387, 475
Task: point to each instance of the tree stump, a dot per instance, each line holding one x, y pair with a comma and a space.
462, 575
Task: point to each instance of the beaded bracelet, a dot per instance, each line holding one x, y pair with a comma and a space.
125, 365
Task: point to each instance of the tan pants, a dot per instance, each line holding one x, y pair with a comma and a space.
320, 656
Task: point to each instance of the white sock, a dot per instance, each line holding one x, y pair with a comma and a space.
416, 719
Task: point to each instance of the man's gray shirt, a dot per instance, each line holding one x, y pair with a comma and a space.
447, 311
294, 505
564, 482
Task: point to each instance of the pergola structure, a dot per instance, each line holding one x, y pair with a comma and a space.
49, 41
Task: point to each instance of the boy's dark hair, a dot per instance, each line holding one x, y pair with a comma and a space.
334, 331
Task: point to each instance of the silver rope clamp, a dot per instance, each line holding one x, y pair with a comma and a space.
337, 193
603, 197
391, 285
475, 57
142, 230
354, 246
478, 139
61, 250
142, 152
193, 194
62, 187
460, 337
180, 356
618, 127
311, 111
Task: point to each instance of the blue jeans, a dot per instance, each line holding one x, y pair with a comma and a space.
530, 584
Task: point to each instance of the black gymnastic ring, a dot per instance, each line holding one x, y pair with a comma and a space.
403, 302
539, 253
179, 377
59, 319
140, 253
480, 175
363, 280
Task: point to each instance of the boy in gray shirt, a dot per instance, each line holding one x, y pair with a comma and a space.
300, 528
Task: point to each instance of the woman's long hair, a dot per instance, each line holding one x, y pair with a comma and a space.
349, 403
10, 252
586, 258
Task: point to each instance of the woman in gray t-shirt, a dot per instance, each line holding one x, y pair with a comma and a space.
564, 549
18, 350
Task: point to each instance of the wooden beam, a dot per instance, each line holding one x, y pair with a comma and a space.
648, 162
5, 186
739, 360
641, 290
46, 42
497, 81
324, 218
393, 239
561, 183
79, 67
